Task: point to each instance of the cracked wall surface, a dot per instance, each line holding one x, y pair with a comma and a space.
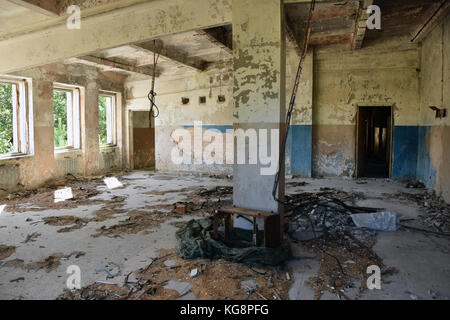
44, 164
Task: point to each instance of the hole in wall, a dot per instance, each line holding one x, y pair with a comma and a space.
202, 100
221, 98
184, 100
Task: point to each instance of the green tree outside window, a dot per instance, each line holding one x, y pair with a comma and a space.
6, 118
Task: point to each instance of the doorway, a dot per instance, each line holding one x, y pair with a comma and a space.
374, 139
143, 137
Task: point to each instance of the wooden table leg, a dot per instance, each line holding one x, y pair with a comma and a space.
255, 232
228, 227
272, 236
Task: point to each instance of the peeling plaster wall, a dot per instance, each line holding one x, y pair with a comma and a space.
299, 142
44, 165
321, 141
434, 134
384, 75
215, 116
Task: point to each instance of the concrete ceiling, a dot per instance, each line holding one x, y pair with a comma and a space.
334, 23
187, 52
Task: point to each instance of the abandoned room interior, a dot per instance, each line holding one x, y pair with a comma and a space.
224, 149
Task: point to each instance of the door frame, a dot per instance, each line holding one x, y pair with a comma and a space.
391, 134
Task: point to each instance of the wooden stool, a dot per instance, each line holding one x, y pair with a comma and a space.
272, 238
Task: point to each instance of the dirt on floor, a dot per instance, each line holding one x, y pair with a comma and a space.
218, 279
437, 215
138, 220
49, 263
6, 251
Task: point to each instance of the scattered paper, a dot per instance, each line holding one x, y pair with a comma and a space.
63, 194
113, 183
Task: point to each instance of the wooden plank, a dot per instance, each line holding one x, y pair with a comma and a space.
247, 212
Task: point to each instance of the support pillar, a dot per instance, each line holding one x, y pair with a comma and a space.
258, 100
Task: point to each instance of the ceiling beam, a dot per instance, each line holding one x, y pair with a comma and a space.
291, 35
360, 24
168, 53
111, 29
47, 7
317, 1
439, 12
218, 37
111, 65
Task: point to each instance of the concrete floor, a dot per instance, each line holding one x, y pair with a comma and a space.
422, 260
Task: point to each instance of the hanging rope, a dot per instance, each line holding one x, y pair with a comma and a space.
292, 101
154, 110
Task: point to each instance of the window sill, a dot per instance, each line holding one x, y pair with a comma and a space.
70, 150
11, 156
108, 147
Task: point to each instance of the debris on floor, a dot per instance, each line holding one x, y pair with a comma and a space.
72, 222
437, 215
49, 263
380, 221
218, 279
196, 241
111, 270
6, 251
138, 220
32, 237
113, 183
415, 184
44, 198
334, 239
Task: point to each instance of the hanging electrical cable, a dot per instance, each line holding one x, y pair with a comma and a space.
154, 110
292, 101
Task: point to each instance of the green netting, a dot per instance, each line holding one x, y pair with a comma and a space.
196, 241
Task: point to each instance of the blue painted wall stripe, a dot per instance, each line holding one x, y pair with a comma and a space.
298, 150
405, 151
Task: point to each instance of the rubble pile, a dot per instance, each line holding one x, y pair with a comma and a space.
323, 212
170, 277
437, 215
322, 223
204, 202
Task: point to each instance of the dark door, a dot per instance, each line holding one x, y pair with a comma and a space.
373, 142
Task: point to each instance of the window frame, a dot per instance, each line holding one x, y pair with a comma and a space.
22, 117
73, 110
111, 119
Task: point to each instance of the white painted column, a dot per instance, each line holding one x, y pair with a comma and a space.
258, 97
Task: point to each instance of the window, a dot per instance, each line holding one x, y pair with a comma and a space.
107, 119
14, 112
66, 117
